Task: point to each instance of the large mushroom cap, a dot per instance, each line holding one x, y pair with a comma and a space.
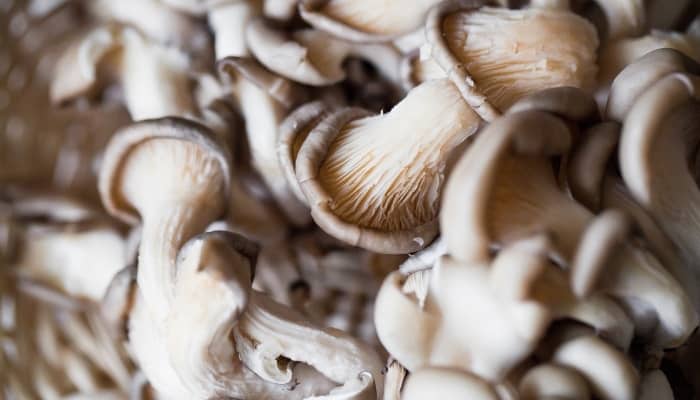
171, 148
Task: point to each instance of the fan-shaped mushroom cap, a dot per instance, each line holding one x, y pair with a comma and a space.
364, 20
451, 330
314, 57
177, 154
553, 381
496, 56
446, 383
364, 191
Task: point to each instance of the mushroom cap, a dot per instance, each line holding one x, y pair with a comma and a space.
555, 381
475, 48
309, 161
447, 383
365, 21
128, 138
637, 77
286, 92
465, 202
292, 133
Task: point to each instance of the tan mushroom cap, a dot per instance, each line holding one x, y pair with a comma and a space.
192, 135
496, 56
362, 190
365, 21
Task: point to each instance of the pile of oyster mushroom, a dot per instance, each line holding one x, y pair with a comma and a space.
349, 199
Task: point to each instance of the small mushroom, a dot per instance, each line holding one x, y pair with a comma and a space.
446, 383
364, 191
365, 21
496, 56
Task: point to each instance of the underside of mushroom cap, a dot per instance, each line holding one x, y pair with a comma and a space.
364, 191
194, 136
496, 56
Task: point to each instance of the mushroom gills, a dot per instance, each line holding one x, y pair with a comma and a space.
385, 172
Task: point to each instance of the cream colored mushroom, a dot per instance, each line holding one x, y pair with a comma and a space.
506, 193
229, 21
188, 157
446, 383
314, 57
655, 154
451, 330
365, 21
154, 78
364, 191
553, 381
257, 93
496, 56
609, 373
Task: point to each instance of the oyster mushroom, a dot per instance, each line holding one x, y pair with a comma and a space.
229, 21
257, 92
623, 17
608, 372
474, 46
280, 10
362, 190
507, 192
447, 383
365, 21
188, 157
553, 381
219, 359
154, 78
450, 330
314, 57
655, 152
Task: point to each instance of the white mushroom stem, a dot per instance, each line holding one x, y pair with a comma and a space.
228, 21
608, 371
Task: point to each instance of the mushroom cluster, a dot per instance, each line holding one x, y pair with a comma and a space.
350, 199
